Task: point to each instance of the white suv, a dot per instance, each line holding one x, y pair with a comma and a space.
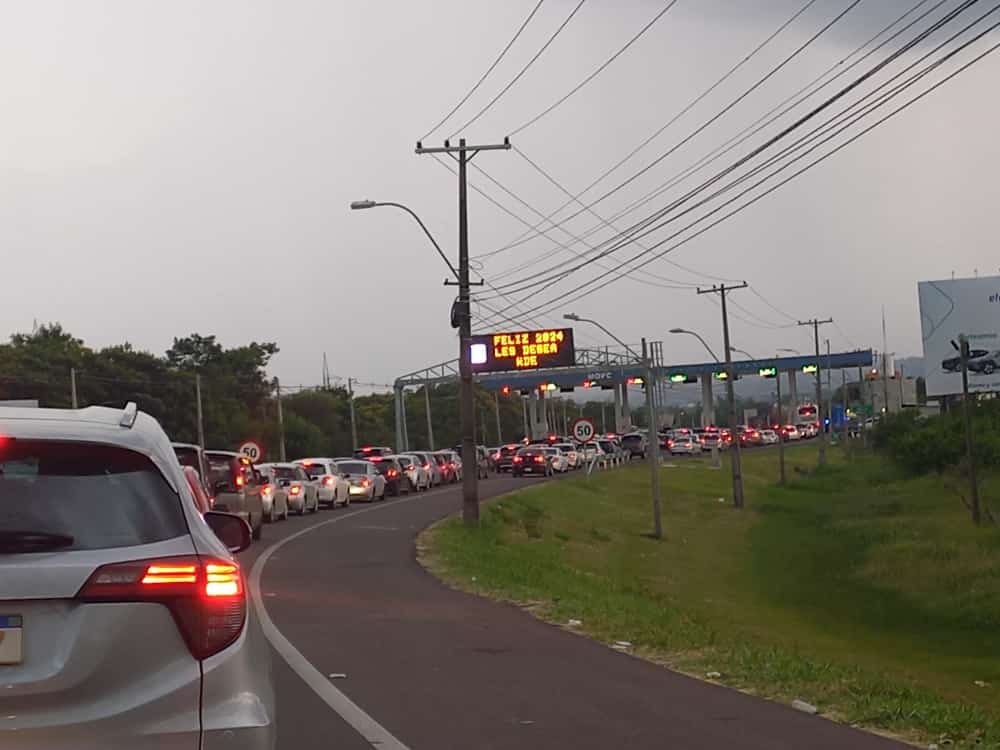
124, 620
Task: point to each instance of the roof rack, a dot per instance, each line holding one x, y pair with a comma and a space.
129, 414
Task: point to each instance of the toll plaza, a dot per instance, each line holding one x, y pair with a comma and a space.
599, 368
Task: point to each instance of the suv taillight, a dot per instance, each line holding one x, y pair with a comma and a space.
205, 595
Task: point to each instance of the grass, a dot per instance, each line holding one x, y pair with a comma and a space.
865, 593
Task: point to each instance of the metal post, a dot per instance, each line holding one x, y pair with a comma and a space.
781, 436
816, 323
281, 424
654, 444
72, 388
397, 395
197, 398
829, 392
604, 417
430, 422
524, 411
406, 431
496, 408
967, 419
843, 399
354, 425
565, 424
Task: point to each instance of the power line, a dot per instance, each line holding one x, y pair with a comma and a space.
755, 127
799, 172
652, 137
523, 70
489, 70
718, 115
631, 234
597, 72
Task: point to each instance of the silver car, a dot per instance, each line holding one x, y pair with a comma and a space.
124, 616
291, 487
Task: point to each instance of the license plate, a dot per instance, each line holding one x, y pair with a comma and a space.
10, 639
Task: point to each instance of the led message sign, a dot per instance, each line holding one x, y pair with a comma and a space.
522, 350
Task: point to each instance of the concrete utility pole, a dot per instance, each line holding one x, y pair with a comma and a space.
781, 436
721, 290
963, 350
197, 398
829, 391
816, 323
496, 408
470, 479
524, 413
281, 424
430, 422
72, 388
350, 404
653, 444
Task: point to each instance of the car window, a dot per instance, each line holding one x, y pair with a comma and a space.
354, 467
314, 471
100, 496
283, 472
188, 457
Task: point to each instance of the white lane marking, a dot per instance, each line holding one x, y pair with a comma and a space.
373, 732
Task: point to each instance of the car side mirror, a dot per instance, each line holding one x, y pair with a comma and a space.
232, 530
221, 487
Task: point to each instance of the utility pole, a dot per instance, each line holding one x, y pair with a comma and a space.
816, 323
885, 364
72, 388
843, 399
496, 408
781, 433
470, 479
281, 424
653, 445
524, 413
430, 423
721, 290
829, 392
604, 417
565, 424
350, 403
201, 423
963, 350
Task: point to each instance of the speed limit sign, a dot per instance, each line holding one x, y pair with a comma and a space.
583, 430
251, 450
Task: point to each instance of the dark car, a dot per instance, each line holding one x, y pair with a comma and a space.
396, 481
987, 364
531, 461
954, 364
503, 459
371, 451
635, 444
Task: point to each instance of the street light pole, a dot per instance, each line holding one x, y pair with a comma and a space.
697, 336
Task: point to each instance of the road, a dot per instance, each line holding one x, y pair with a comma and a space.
429, 667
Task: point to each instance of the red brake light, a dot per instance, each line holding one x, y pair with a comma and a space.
427, 466
366, 449
327, 480
205, 596
365, 482
393, 473
294, 490
539, 459
240, 481
452, 464
517, 459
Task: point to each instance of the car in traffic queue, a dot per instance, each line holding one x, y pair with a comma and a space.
396, 482
635, 444
301, 493
189, 454
447, 466
201, 499
790, 432
557, 459
123, 611
808, 429
572, 454
429, 464
532, 460
331, 488
591, 451
482, 462
413, 467
274, 497
237, 487
769, 437
373, 451
503, 459
610, 447
749, 436
684, 445
364, 480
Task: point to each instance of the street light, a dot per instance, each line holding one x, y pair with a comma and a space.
741, 351
361, 205
790, 351
654, 443
697, 336
578, 319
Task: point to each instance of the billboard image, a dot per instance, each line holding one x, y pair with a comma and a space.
969, 307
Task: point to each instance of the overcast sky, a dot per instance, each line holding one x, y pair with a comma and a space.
172, 167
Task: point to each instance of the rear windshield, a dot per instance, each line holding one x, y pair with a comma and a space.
101, 496
315, 470
188, 457
382, 467
365, 452
441, 460
405, 462
631, 439
354, 467
283, 472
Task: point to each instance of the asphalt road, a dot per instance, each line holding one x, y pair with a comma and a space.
436, 668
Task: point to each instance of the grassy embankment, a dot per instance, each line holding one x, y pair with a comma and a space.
865, 593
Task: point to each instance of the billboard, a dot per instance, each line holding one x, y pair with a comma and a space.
969, 307
522, 350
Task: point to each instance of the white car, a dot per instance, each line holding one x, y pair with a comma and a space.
365, 482
791, 432
125, 616
331, 488
558, 459
769, 437
413, 467
684, 445
591, 451
301, 495
572, 455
